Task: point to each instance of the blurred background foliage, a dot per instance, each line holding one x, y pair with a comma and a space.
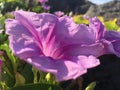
109, 24
12, 5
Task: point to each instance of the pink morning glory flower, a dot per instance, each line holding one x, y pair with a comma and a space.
54, 44
110, 39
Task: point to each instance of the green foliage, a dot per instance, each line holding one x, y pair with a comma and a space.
110, 25
2, 19
80, 19
8, 79
12, 5
3, 38
91, 86
29, 75
36, 9
37, 87
8, 68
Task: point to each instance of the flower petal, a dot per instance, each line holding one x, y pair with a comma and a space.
113, 38
45, 64
98, 27
88, 62
78, 49
42, 28
62, 69
22, 42
69, 70
108, 47
73, 33
112, 35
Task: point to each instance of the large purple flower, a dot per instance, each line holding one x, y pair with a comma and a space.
52, 44
110, 39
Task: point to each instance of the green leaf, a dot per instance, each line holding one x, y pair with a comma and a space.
36, 9
20, 80
37, 87
101, 18
3, 38
111, 25
91, 86
7, 79
7, 67
5, 47
80, 19
26, 71
2, 20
